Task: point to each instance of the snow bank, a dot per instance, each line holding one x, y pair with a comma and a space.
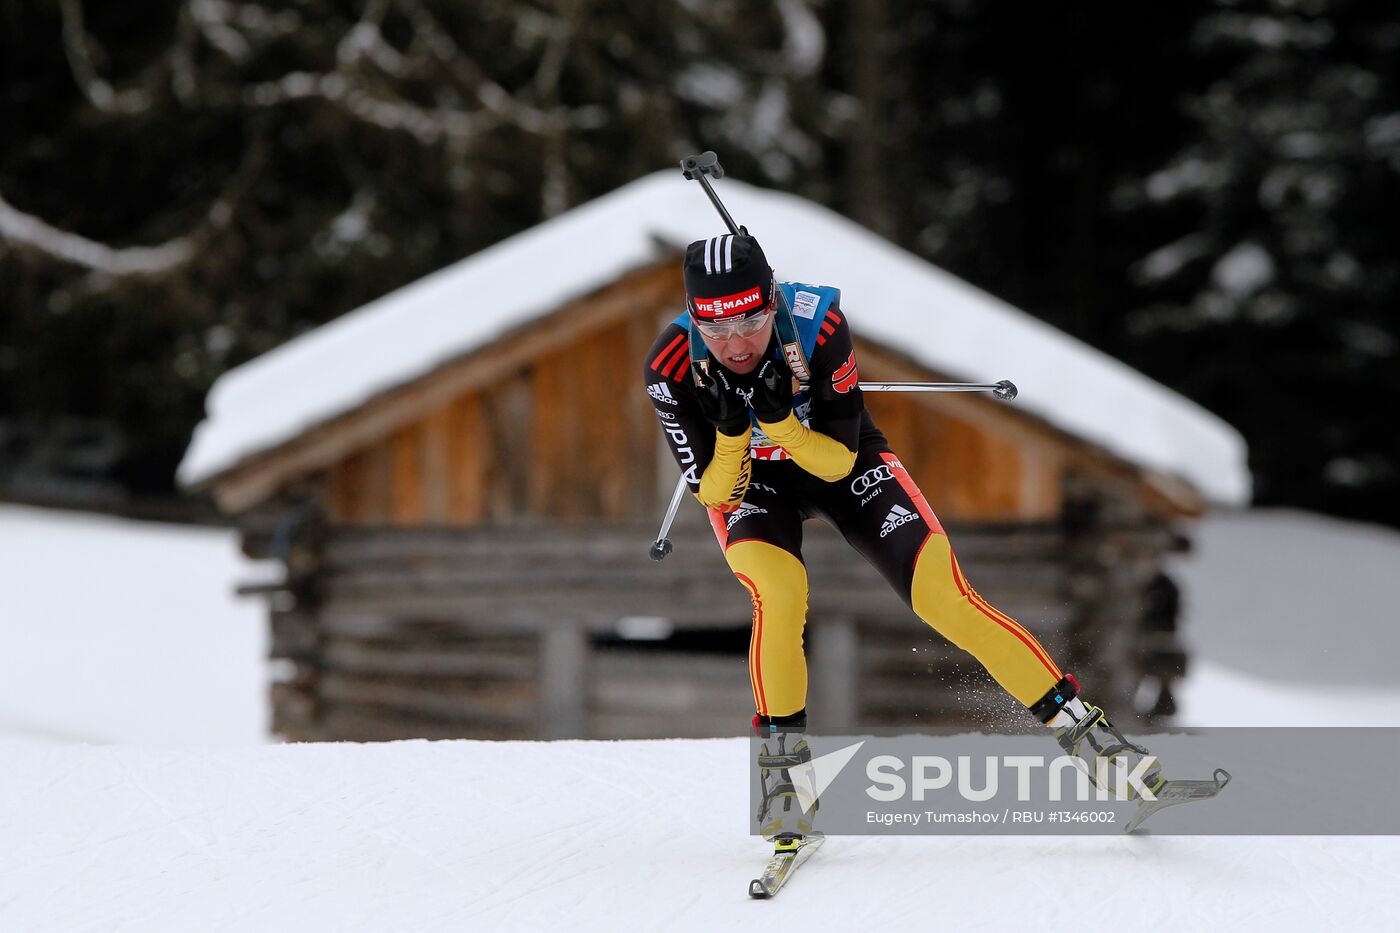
122, 631
1216, 695
895, 298
1295, 598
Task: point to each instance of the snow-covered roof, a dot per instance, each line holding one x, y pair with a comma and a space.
893, 298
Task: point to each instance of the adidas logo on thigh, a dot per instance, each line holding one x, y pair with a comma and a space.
899, 515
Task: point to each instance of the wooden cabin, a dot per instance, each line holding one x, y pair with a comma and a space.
463, 478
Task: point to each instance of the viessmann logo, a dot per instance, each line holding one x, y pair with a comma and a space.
729, 304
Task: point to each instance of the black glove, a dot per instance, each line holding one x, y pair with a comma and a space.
721, 405
772, 392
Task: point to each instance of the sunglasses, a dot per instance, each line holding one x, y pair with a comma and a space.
745, 328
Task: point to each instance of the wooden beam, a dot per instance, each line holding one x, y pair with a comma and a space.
835, 666
406, 488
438, 478
376, 503
469, 457
563, 682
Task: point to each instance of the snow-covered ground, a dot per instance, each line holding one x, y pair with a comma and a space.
1291, 618
1296, 598
596, 836
128, 633
123, 631
1217, 695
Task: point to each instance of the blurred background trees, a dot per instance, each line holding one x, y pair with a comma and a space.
1206, 189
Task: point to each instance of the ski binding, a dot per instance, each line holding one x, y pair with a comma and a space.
789, 851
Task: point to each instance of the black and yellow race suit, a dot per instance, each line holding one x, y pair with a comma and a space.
826, 460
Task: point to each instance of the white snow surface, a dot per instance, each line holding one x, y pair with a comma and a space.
585, 836
592, 836
1286, 600
124, 631
1216, 695
894, 298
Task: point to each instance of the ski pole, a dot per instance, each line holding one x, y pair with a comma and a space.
695, 168
1004, 390
706, 165
662, 545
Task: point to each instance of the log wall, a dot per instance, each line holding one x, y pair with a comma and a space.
402, 633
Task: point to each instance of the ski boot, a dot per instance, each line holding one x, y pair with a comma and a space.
1107, 757
783, 759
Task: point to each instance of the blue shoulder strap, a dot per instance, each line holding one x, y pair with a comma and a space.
801, 310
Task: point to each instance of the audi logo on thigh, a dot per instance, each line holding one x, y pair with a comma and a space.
870, 479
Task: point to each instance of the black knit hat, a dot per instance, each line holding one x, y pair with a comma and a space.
727, 278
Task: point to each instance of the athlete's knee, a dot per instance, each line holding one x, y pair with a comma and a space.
776, 582
934, 584
943, 598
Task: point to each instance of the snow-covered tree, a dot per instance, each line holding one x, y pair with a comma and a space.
1272, 292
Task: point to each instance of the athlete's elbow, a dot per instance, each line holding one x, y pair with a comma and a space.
840, 471
724, 501
709, 502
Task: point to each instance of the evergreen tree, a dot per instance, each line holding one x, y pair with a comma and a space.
1204, 188
1272, 298
185, 185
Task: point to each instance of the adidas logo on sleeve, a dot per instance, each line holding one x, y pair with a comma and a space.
662, 393
898, 515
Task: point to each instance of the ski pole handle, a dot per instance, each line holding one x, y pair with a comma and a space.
696, 168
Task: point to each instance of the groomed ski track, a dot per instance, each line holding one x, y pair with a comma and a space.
635, 836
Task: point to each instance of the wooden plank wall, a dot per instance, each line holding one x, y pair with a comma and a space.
418, 632
974, 458
567, 436
504, 456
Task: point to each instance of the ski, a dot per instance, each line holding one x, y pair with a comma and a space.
1172, 793
787, 856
